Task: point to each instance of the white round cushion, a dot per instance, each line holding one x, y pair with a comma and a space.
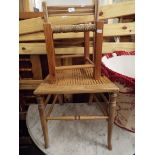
124, 64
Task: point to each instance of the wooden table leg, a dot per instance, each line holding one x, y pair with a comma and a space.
41, 108
112, 109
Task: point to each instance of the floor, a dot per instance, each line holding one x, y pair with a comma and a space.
30, 149
78, 137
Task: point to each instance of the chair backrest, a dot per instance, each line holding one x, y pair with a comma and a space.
71, 10
96, 27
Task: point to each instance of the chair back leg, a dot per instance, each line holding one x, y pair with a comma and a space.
50, 50
98, 49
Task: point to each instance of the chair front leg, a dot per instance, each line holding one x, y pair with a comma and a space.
41, 108
112, 109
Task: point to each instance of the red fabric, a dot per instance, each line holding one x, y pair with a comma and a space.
117, 77
122, 110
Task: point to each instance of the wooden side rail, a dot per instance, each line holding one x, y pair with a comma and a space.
74, 67
70, 56
25, 69
65, 8
68, 10
78, 117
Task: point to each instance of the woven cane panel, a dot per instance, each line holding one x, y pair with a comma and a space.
76, 81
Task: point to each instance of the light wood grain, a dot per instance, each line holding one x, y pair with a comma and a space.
30, 25
29, 15
118, 9
118, 29
39, 48
29, 84
109, 11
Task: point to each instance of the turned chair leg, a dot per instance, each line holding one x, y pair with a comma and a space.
112, 109
41, 108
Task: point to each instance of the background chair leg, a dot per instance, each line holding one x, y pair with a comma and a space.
112, 108
91, 97
60, 99
41, 108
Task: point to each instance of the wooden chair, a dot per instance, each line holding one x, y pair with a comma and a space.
73, 11
76, 79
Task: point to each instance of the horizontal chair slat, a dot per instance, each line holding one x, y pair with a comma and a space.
66, 11
70, 6
70, 14
74, 67
70, 56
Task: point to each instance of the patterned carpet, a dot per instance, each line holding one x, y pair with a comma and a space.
125, 111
